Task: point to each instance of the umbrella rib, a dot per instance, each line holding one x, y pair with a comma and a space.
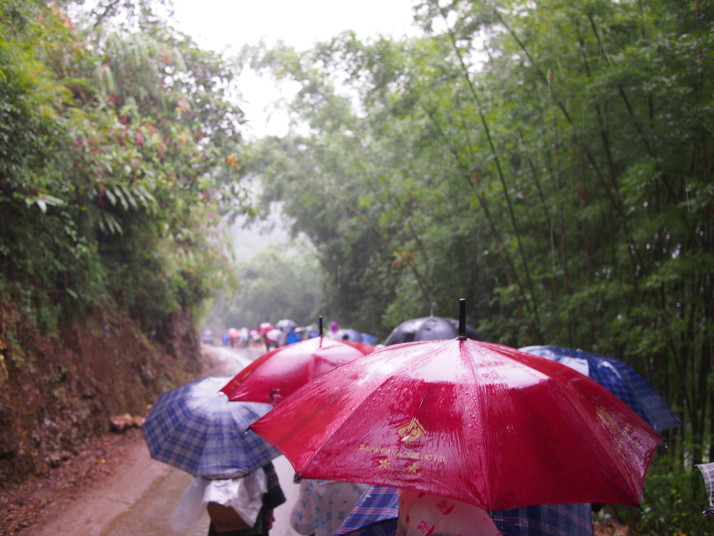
589, 423
346, 418
480, 403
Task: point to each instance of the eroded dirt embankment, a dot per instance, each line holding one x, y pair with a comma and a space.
58, 391
88, 490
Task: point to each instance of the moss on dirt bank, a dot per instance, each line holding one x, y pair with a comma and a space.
59, 390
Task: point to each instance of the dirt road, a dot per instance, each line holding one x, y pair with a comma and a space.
137, 498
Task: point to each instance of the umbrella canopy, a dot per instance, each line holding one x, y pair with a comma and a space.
273, 334
707, 470
348, 334
618, 378
546, 520
265, 327
479, 422
428, 328
377, 505
287, 368
196, 429
286, 324
368, 338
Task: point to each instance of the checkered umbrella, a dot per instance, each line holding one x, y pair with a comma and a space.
573, 519
707, 470
195, 428
617, 377
374, 514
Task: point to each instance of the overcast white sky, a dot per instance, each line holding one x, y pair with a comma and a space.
221, 23
226, 25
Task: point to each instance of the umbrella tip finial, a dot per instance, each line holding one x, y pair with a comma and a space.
462, 319
320, 326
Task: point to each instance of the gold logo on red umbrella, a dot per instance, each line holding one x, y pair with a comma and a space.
411, 431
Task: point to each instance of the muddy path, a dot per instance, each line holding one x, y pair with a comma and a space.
121, 491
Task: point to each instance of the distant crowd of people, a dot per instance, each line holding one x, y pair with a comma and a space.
273, 335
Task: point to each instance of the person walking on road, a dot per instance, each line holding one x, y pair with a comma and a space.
323, 505
225, 521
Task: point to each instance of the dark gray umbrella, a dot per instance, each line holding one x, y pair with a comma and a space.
428, 328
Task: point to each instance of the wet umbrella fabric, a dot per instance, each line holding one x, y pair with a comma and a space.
195, 428
428, 328
286, 324
546, 520
618, 378
349, 334
265, 327
388, 527
368, 338
276, 374
377, 505
707, 470
478, 422
377, 510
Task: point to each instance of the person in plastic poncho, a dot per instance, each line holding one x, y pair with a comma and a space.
241, 506
421, 514
323, 505
225, 521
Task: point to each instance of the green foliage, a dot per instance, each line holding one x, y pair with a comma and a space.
674, 502
118, 155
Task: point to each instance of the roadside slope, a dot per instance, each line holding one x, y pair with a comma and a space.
86, 493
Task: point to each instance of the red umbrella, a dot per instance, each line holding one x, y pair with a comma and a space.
281, 371
479, 422
233, 333
265, 327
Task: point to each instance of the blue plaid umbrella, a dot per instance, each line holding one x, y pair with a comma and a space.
195, 428
380, 528
375, 513
707, 470
546, 520
618, 378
